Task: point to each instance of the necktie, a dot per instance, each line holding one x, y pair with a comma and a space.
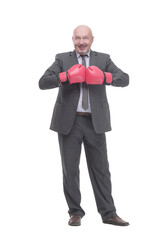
84, 88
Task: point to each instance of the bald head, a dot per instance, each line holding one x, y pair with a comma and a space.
82, 39
83, 28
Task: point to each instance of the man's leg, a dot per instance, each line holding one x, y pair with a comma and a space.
98, 166
70, 149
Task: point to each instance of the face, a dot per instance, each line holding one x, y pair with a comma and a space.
82, 39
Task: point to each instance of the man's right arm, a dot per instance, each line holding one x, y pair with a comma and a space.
50, 77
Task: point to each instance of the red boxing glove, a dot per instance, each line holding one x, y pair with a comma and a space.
94, 75
75, 74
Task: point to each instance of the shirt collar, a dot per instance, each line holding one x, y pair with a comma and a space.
78, 55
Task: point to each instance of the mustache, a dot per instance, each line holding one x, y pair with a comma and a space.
82, 45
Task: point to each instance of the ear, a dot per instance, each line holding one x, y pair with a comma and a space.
92, 39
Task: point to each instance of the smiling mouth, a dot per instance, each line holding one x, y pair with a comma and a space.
82, 47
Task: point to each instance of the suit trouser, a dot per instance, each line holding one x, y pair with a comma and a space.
97, 162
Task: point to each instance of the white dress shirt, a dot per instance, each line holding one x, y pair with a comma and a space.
79, 107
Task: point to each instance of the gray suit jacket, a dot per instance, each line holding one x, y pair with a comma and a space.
67, 100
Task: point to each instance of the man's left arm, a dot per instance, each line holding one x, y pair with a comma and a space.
119, 78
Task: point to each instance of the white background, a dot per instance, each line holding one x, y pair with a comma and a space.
32, 204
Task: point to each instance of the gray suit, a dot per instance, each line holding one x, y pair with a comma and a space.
73, 130
66, 105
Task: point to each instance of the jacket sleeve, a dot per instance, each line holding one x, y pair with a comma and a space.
50, 77
119, 78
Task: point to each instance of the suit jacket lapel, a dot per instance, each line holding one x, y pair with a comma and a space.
93, 58
74, 59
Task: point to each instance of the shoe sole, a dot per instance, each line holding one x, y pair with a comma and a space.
116, 224
74, 224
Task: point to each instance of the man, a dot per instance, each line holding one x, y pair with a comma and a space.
81, 115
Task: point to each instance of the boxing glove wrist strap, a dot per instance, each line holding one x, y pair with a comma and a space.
63, 78
107, 78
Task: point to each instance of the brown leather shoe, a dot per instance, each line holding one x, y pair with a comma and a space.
75, 220
116, 220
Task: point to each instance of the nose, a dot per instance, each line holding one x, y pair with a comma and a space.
81, 41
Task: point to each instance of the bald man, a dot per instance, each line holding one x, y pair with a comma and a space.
81, 115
